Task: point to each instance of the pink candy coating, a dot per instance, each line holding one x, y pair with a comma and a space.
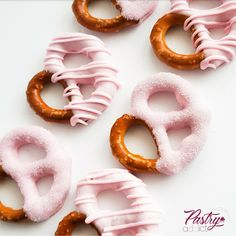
217, 51
137, 9
140, 219
193, 115
26, 174
99, 73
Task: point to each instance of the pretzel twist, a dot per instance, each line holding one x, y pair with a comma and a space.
192, 115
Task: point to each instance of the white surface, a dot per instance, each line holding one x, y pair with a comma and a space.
208, 183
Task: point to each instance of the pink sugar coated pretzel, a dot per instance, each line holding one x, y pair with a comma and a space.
192, 115
140, 219
55, 163
98, 73
217, 51
137, 9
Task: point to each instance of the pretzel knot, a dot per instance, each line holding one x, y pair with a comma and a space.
139, 219
37, 208
131, 13
210, 52
99, 73
192, 115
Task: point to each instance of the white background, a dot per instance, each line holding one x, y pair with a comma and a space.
208, 183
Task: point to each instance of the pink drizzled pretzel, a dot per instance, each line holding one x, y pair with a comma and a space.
216, 51
139, 219
98, 73
192, 115
55, 163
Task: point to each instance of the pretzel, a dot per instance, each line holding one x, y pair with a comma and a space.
131, 13
192, 115
210, 53
140, 218
35, 87
8, 213
69, 222
37, 208
99, 73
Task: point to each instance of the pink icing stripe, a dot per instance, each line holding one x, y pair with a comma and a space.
217, 51
98, 73
139, 219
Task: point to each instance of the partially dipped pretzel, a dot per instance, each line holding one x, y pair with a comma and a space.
131, 13
192, 115
55, 163
210, 52
99, 73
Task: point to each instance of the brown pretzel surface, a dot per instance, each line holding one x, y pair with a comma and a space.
131, 161
164, 53
80, 9
69, 222
35, 87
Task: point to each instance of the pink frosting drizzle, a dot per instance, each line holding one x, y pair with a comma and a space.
98, 73
217, 51
140, 219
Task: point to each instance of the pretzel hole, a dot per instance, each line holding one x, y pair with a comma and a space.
203, 4
106, 200
84, 229
52, 95
184, 45
139, 140
163, 101
31, 153
176, 136
10, 194
87, 90
44, 184
75, 60
103, 9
